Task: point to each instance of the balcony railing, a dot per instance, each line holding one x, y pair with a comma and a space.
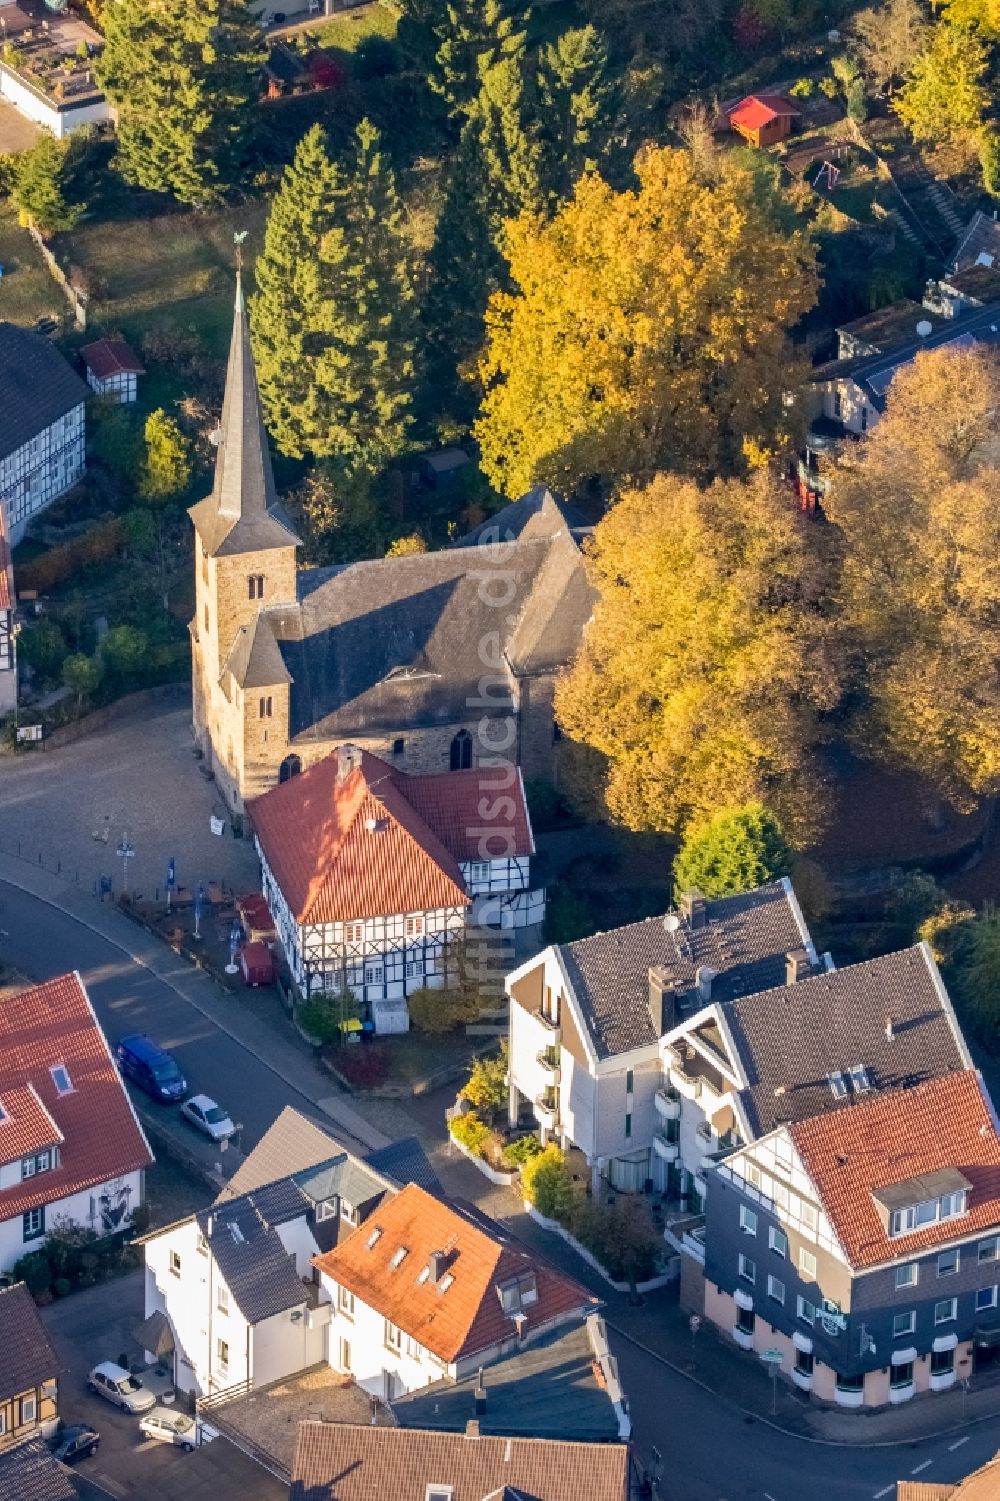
668, 1103
666, 1149
546, 1109
548, 1062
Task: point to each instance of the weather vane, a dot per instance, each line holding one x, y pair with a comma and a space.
238, 239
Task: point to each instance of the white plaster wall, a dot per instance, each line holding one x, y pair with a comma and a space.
612, 1103
80, 1209
298, 1241
412, 1366
60, 122
527, 1037
578, 1105
280, 1346
191, 1303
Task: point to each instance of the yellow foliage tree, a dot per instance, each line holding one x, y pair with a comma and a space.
708, 658
918, 504
647, 328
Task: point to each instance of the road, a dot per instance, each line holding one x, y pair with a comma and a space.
711, 1452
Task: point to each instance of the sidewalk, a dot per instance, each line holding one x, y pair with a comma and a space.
740, 1379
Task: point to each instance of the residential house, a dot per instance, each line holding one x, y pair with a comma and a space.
231, 1295
426, 1290
978, 245
433, 661
587, 1019
847, 395
368, 872
8, 639
71, 1147
864, 1243
31, 1472
42, 451
29, 1370
763, 119
982, 1485
339, 1462
48, 73
113, 369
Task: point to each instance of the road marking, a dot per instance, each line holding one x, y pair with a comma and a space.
921, 1467
884, 1491
768, 1496
958, 1444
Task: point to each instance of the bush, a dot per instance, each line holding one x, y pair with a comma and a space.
321, 1015
102, 543
35, 1271
43, 647
803, 88
471, 1132
486, 1087
62, 1287
140, 1219
735, 850
989, 161
567, 915
517, 1153
622, 1237
548, 1183
125, 652
977, 971
365, 1065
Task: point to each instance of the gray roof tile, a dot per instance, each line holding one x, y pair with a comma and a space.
26, 1354
30, 1473
254, 1263
745, 940
37, 386
794, 1036
291, 1143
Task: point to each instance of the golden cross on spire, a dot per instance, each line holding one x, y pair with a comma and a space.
238, 239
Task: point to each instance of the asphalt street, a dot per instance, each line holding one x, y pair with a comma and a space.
710, 1451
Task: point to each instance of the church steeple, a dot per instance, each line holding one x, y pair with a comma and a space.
242, 514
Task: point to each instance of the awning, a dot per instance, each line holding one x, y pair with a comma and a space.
904, 1357
945, 1342
156, 1335
742, 1299
802, 1342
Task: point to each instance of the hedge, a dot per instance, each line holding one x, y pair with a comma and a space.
102, 543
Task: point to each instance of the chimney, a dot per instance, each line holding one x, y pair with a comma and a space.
662, 1010
472, 1428
348, 759
436, 1264
211, 1219
693, 907
480, 1394
798, 966
704, 975
889, 1033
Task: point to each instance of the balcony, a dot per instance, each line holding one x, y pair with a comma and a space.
552, 1028
548, 1062
667, 1150
546, 1109
668, 1104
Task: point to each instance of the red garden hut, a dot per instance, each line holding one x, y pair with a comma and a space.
763, 119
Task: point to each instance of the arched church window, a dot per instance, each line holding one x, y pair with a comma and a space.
290, 767
255, 586
461, 751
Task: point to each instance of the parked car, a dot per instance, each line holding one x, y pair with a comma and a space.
119, 1386
75, 1441
207, 1116
170, 1426
148, 1065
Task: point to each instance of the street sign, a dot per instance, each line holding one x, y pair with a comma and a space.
27, 733
125, 851
772, 1357
694, 1323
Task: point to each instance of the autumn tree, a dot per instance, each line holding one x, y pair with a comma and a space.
735, 850
167, 466
708, 658
646, 329
889, 39
944, 98
982, 16
183, 76
918, 505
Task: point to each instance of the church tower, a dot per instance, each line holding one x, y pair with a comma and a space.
244, 566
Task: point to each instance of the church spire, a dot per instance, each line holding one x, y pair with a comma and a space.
242, 514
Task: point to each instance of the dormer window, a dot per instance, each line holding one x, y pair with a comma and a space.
838, 1086
918, 1202
518, 1293
61, 1078
326, 1210
373, 1239
860, 1081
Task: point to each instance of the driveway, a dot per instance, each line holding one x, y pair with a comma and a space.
139, 775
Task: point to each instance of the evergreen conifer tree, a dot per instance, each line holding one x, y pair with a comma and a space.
580, 112
183, 76
44, 186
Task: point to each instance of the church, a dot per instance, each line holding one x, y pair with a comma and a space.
435, 662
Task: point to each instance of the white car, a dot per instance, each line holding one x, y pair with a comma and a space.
119, 1386
207, 1116
170, 1426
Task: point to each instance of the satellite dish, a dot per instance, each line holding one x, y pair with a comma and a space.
924, 328
672, 922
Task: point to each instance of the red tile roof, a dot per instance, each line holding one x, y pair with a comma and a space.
100, 1137
108, 357
467, 1317
6, 568
757, 110
897, 1135
343, 1462
332, 866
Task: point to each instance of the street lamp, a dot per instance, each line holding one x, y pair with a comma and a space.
199, 903
125, 853
235, 934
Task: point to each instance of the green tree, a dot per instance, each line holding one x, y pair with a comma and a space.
168, 465
944, 98
989, 160
42, 647
82, 674
46, 186
977, 970
125, 651
646, 329
469, 37
486, 1086
548, 1183
183, 77
510, 144
579, 107
333, 319
735, 850
708, 657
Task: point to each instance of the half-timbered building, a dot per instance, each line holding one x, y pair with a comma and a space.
8, 661
42, 434
369, 872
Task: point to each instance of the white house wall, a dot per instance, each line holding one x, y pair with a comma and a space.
41, 470
191, 1303
282, 1345
297, 1239
35, 107
411, 1367
79, 1209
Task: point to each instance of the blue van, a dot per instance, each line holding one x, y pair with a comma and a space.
146, 1064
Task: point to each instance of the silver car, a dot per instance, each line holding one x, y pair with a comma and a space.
205, 1115
115, 1384
170, 1426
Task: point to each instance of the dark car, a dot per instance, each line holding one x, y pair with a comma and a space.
75, 1442
146, 1064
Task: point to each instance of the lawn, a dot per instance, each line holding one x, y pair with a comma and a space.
27, 291
349, 30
